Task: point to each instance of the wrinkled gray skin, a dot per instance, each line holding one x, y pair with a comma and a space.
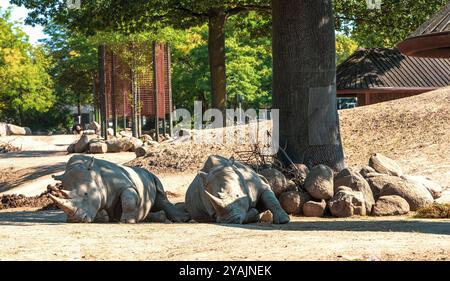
94, 188
225, 191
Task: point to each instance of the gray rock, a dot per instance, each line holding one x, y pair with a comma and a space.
28, 131
366, 170
319, 182
356, 182
276, 179
391, 205
298, 172
417, 196
13, 130
377, 183
292, 201
434, 188
385, 165
347, 202
314, 209
71, 148
82, 144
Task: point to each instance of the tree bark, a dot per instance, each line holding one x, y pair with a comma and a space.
304, 82
216, 51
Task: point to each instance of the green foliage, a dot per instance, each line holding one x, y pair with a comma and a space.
385, 27
345, 47
25, 85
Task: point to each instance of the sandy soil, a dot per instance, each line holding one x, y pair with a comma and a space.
43, 236
414, 131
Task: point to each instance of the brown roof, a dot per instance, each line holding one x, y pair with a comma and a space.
440, 22
388, 68
431, 39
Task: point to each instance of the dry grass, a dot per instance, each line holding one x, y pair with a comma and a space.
434, 211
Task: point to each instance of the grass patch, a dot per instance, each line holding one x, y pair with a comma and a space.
434, 211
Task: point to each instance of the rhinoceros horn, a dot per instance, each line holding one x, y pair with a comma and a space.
217, 203
64, 204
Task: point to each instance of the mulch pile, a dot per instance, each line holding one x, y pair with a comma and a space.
42, 201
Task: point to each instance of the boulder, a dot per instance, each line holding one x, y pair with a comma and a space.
89, 132
95, 127
98, 147
125, 134
366, 170
82, 144
417, 196
28, 131
298, 173
71, 148
347, 202
266, 217
391, 205
110, 132
3, 129
319, 182
385, 165
276, 179
434, 188
291, 186
356, 182
145, 138
292, 201
13, 130
314, 209
377, 183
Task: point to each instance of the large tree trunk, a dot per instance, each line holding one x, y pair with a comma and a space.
304, 81
216, 51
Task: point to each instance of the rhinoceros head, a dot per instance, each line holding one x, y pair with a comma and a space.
82, 194
224, 190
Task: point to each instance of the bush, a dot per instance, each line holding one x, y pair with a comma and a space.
434, 211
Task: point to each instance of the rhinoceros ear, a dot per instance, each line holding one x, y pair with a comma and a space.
203, 177
217, 203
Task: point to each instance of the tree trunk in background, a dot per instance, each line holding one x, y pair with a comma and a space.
304, 81
216, 51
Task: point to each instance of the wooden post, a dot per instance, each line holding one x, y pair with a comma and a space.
169, 83
155, 90
113, 93
102, 90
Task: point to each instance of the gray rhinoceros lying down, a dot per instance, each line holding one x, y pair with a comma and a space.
225, 191
93, 187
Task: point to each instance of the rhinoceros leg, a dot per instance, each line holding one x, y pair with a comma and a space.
271, 202
162, 203
129, 199
101, 217
252, 216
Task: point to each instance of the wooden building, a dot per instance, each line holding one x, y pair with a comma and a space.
377, 75
431, 39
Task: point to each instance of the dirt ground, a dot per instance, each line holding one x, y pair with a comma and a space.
27, 235
415, 131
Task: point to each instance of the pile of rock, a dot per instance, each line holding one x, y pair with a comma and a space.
91, 143
380, 189
13, 130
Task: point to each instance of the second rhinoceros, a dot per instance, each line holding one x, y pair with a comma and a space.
127, 194
226, 191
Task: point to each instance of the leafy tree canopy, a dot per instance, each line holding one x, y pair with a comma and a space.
24, 82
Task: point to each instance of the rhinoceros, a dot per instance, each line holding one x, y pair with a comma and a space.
226, 191
127, 194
